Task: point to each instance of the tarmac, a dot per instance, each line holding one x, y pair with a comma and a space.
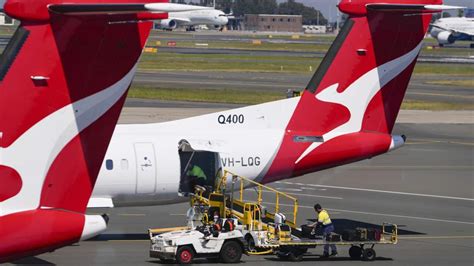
426, 187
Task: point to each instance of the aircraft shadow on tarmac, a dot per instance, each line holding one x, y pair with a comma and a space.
108, 237
341, 224
31, 261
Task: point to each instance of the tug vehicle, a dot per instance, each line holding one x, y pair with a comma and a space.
219, 241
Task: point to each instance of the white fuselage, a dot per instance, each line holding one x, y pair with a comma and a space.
200, 17
145, 167
457, 26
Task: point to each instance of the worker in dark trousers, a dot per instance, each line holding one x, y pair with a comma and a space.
324, 221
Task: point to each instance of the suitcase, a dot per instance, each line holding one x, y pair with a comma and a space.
306, 231
361, 234
349, 235
373, 234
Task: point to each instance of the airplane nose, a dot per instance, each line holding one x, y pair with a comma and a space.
225, 20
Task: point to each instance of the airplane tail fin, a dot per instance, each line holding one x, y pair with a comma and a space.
364, 76
64, 77
355, 95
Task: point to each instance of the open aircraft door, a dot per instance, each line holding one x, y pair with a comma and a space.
197, 168
146, 168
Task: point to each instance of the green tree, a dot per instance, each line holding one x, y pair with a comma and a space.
310, 15
242, 7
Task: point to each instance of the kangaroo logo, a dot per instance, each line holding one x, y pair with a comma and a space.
48, 137
359, 94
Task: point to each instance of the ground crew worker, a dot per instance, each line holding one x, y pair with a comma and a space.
199, 177
326, 223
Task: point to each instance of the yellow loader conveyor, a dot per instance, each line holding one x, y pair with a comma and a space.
249, 208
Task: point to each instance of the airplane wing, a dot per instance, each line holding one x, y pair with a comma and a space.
455, 31
74, 9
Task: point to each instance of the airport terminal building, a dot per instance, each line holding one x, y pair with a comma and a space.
281, 23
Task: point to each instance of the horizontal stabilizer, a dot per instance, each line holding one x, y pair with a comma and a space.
121, 8
409, 7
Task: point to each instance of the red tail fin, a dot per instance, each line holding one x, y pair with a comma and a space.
63, 82
354, 97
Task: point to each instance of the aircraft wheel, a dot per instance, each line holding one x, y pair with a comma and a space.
185, 255
231, 252
355, 252
368, 254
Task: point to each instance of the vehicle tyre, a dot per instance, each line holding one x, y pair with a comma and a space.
231, 252
185, 255
250, 243
355, 252
368, 254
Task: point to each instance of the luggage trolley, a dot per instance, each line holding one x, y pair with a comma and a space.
290, 247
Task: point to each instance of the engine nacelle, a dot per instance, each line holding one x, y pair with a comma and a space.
169, 24
446, 37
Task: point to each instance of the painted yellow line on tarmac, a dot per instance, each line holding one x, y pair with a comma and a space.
462, 143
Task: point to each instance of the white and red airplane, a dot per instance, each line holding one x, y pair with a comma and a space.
346, 114
64, 77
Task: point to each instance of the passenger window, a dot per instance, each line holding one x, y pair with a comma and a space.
109, 164
124, 164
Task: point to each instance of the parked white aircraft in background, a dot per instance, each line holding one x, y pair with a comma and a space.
449, 30
206, 16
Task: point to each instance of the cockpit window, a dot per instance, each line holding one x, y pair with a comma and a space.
11, 51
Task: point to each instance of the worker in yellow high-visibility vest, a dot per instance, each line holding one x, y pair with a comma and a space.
325, 221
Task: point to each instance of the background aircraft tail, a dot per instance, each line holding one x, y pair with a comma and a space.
64, 77
349, 107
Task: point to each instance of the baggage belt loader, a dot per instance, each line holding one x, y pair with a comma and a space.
251, 227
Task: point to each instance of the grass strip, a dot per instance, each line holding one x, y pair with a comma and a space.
461, 83
256, 97
204, 95
435, 106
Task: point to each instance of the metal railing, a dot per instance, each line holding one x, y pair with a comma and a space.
244, 183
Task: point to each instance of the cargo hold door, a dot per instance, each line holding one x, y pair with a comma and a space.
146, 168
